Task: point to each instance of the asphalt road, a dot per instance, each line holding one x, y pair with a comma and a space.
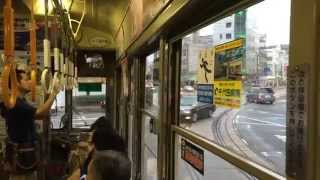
263, 128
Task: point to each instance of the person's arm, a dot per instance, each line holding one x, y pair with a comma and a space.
43, 110
75, 175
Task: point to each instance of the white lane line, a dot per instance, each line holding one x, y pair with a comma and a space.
282, 138
245, 141
266, 112
258, 124
261, 121
265, 154
262, 112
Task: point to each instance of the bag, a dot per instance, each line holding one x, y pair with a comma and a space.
21, 158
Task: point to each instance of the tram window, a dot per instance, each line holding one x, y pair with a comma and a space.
194, 162
218, 75
89, 102
152, 83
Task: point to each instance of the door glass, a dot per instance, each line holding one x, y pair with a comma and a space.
234, 80
149, 148
152, 83
89, 102
195, 165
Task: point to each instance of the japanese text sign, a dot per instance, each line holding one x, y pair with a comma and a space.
228, 93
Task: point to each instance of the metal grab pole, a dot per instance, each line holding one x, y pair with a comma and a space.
33, 54
9, 71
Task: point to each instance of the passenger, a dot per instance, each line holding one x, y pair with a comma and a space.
104, 137
109, 165
22, 149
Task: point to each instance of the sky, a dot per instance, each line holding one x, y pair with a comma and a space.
271, 17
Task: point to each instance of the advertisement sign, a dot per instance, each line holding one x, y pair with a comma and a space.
205, 93
228, 60
192, 155
95, 63
228, 93
205, 66
297, 116
205, 76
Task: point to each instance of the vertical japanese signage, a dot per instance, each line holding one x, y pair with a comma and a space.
228, 93
297, 115
205, 76
192, 155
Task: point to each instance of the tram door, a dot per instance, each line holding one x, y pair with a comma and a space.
150, 117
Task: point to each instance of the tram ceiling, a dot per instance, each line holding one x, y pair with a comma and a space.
102, 17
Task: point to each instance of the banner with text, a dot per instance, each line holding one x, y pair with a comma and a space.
228, 93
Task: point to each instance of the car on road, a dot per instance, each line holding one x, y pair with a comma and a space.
192, 110
261, 95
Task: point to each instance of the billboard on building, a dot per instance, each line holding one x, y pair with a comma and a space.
228, 93
228, 60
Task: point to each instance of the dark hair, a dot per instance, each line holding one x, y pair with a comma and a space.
110, 165
19, 77
102, 123
19, 74
105, 137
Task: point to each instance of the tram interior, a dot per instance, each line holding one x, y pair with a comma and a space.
196, 89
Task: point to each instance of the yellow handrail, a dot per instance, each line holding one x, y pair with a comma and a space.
9, 70
33, 54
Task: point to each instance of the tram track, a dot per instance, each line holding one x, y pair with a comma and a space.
220, 125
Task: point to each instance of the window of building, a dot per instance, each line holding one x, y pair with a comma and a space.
228, 24
228, 36
221, 36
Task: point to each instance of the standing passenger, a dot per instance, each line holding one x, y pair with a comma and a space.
22, 149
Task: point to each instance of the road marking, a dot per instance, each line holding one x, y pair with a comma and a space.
245, 141
257, 124
261, 121
265, 154
266, 112
282, 138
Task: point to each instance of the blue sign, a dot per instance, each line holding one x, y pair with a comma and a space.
205, 93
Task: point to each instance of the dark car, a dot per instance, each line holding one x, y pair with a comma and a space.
192, 110
261, 95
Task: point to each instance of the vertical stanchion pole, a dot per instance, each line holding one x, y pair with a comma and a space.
33, 54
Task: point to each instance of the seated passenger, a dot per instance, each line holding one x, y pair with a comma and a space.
104, 137
109, 165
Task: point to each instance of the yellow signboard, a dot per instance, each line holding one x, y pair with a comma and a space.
228, 93
205, 66
229, 45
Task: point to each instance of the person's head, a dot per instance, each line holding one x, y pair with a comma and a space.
109, 165
104, 137
102, 123
23, 78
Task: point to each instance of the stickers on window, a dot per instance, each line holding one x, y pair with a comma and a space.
192, 155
